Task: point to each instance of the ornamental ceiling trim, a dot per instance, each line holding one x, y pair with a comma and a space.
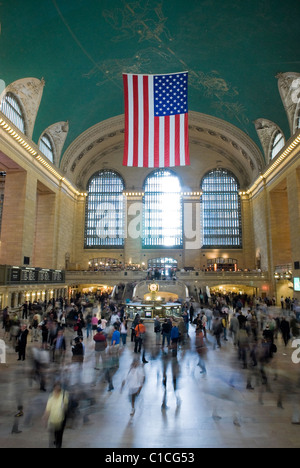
90, 138
110, 134
93, 165
241, 173
228, 133
230, 142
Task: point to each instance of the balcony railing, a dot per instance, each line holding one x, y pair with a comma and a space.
138, 275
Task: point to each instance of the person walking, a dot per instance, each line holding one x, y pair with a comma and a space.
200, 348
191, 313
100, 347
5, 317
35, 327
217, 329
285, 330
59, 347
157, 329
88, 322
174, 338
234, 327
25, 309
115, 345
166, 332
133, 325
77, 351
123, 331
140, 338
94, 322
135, 381
55, 415
22, 342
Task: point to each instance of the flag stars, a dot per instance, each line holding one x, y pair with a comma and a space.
170, 89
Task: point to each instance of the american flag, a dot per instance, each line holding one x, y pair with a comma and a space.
156, 120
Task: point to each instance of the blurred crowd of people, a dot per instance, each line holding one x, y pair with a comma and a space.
67, 336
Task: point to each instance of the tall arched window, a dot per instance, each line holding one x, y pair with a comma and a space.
12, 109
46, 147
104, 218
221, 210
162, 210
278, 143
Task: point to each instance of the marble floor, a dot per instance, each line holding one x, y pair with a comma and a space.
212, 410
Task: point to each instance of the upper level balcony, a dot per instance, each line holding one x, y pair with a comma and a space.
253, 278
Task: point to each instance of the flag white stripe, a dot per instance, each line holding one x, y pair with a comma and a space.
141, 121
161, 142
151, 121
182, 139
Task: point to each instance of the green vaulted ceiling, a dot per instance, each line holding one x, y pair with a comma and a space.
233, 51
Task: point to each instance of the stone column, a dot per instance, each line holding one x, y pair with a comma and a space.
18, 218
44, 231
293, 190
192, 230
134, 225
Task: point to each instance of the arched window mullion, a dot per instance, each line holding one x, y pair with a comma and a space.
104, 223
221, 210
46, 147
162, 214
277, 144
11, 108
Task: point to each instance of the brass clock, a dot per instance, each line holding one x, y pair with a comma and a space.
153, 287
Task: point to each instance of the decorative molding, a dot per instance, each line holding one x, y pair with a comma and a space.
230, 134
29, 92
221, 151
106, 137
93, 165
289, 89
58, 133
265, 130
95, 135
241, 173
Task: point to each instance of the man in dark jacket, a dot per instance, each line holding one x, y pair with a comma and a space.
22, 342
285, 330
166, 332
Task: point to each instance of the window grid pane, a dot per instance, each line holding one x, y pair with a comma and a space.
221, 212
46, 147
10, 107
278, 143
162, 211
104, 223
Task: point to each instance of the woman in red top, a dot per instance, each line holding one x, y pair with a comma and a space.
140, 331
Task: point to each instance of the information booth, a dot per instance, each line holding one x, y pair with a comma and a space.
149, 310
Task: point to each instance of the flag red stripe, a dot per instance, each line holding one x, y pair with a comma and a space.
125, 85
186, 137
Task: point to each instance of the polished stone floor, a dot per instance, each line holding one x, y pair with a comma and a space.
212, 410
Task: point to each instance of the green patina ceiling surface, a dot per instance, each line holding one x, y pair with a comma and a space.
233, 51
